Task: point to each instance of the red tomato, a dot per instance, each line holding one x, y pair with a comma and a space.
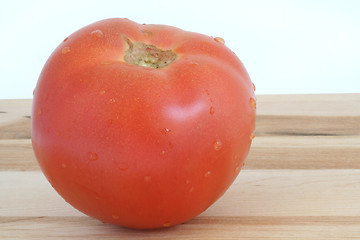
142, 126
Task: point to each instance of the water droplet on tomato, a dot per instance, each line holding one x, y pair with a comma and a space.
193, 63
40, 111
252, 136
115, 216
96, 34
253, 103
112, 100
211, 110
253, 86
219, 40
121, 164
102, 92
207, 174
237, 169
192, 188
165, 131
218, 145
167, 224
63, 165
146, 32
92, 156
147, 178
65, 50
162, 153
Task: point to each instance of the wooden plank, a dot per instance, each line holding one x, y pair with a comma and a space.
307, 125
17, 155
267, 152
15, 119
314, 114
254, 193
304, 152
245, 227
262, 204
317, 114
301, 180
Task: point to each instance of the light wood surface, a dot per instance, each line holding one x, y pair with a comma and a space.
301, 180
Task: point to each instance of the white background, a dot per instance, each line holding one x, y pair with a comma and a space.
303, 46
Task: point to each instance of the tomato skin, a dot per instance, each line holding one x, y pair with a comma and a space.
136, 146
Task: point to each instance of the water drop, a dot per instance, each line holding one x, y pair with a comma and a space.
92, 156
253, 103
193, 63
63, 165
192, 189
219, 40
237, 169
146, 32
40, 111
112, 100
167, 224
253, 86
65, 50
102, 92
211, 110
162, 153
115, 216
218, 145
106, 63
96, 34
207, 174
252, 136
147, 178
165, 131
122, 164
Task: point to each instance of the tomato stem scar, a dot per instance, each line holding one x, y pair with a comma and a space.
147, 55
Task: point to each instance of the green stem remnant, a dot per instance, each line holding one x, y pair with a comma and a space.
148, 55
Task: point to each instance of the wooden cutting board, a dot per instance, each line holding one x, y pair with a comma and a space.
301, 180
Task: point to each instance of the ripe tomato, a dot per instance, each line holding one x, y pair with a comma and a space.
142, 126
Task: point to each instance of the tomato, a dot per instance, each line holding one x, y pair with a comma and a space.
142, 126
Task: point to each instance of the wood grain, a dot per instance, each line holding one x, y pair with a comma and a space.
259, 202
267, 152
301, 180
254, 193
272, 228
